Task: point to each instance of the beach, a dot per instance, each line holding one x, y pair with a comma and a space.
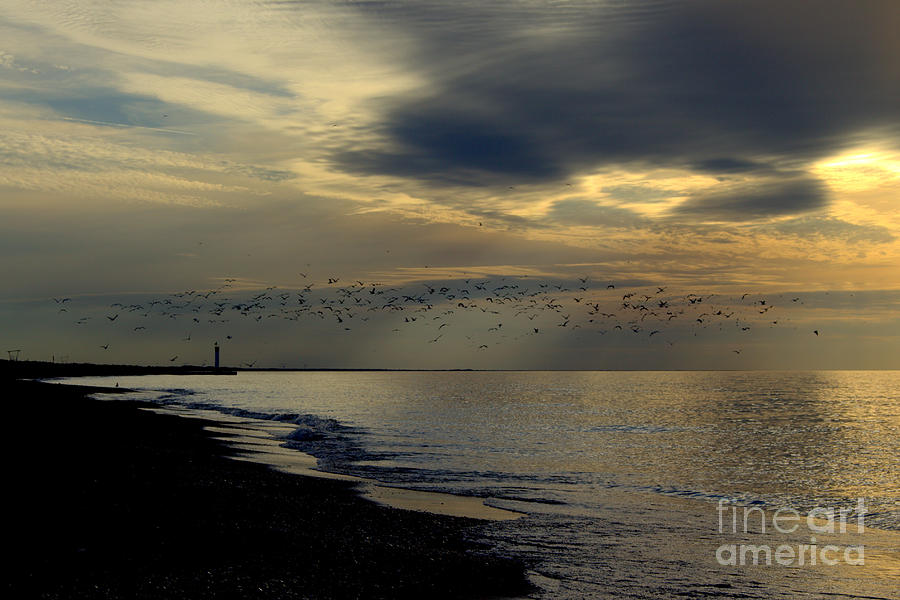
113, 501
539, 485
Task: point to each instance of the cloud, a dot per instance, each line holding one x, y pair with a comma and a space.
8, 61
639, 193
539, 93
430, 139
756, 201
582, 212
729, 165
833, 228
83, 161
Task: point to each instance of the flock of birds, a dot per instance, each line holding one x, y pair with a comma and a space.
481, 312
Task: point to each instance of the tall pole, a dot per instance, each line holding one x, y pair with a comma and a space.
216, 347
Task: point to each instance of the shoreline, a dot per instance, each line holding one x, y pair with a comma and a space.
262, 442
114, 501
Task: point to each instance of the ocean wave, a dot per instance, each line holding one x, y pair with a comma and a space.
639, 429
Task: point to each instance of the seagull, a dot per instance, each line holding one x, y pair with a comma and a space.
112, 318
105, 347
173, 358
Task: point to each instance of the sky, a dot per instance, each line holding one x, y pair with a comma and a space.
744, 153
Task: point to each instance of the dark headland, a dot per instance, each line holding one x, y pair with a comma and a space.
109, 501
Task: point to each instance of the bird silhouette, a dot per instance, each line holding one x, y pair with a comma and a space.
523, 304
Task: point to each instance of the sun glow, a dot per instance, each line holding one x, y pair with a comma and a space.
860, 169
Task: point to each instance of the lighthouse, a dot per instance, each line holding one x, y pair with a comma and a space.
216, 348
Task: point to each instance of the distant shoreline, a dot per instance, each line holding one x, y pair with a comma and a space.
28, 369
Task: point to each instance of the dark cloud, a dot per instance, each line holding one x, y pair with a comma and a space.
756, 201
519, 94
431, 139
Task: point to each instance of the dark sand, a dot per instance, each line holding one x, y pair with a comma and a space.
109, 501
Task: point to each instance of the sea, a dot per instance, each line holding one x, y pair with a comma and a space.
626, 484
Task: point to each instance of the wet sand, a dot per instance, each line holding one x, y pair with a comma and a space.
112, 501
262, 442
